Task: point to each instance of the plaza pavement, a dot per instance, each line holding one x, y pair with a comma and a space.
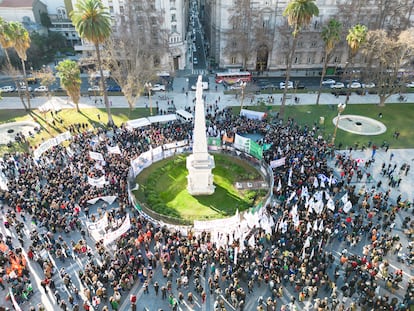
180, 100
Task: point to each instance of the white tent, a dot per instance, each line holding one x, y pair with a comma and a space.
254, 115
162, 118
55, 104
137, 123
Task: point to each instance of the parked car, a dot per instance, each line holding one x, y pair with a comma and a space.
41, 88
7, 89
328, 82
354, 85
368, 85
300, 86
289, 86
95, 88
409, 84
114, 88
22, 88
158, 87
337, 85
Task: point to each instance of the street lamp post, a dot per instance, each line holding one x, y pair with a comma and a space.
148, 86
242, 86
341, 108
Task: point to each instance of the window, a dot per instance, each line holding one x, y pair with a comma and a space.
233, 60
173, 18
173, 28
111, 9
121, 9
314, 44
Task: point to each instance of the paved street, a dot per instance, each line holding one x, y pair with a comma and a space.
74, 264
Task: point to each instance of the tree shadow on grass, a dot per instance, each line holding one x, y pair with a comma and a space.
223, 202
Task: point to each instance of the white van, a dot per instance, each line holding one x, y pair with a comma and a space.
184, 116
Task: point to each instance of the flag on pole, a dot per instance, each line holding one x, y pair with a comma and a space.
344, 198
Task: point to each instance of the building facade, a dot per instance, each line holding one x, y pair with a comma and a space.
58, 11
173, 22
254, 34
28, 12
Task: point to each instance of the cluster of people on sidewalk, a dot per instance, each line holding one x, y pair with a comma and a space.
310, 213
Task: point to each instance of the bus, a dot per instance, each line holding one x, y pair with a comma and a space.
233, 77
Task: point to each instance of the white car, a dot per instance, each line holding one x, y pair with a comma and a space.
289, 86
368, 85
354, 85
410, 84
94, 88
158, 87
22, 88
337, 85
6, 89
328, 82
41, 88
195, 61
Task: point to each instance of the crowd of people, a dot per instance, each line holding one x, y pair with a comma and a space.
297, 256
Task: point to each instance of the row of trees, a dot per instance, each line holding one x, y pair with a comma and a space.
385, 53
132, 52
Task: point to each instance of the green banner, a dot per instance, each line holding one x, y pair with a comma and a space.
267, 146
213, 141
256, 150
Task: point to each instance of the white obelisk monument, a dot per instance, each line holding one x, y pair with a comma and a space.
200, 163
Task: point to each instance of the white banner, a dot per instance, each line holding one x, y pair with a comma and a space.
278, 162
96, 156
50, 143
242, 143
218, 223
97, 182
157, 154
108, 199
143, 161
114, 149
99, 225
112, 236
177, 144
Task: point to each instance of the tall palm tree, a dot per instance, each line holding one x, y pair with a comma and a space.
299, 14
93, 23
6, 42
331, 35
70, 80
356, 38
21, 43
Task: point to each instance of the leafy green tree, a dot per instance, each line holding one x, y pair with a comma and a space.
7, 42
355, 39
93, 23
70, 80
299, 14
21, 40
331, 35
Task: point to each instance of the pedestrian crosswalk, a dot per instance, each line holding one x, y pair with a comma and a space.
199, 71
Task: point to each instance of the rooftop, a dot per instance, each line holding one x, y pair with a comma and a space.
16, 3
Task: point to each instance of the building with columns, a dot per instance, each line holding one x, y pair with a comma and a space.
254, 34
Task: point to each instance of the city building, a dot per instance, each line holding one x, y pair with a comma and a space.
58, 11
174, 16
28, 12
254, 35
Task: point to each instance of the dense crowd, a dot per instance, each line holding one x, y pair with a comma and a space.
52, 194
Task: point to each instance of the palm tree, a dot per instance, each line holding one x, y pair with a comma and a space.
21, 43
7, 40
356, 38
299, 14
331, 35
70, 80
93, 23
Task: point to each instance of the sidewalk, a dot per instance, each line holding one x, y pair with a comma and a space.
181, 100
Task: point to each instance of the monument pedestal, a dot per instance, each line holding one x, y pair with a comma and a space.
200, 178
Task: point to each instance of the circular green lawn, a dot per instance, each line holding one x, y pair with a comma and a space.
163, 188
